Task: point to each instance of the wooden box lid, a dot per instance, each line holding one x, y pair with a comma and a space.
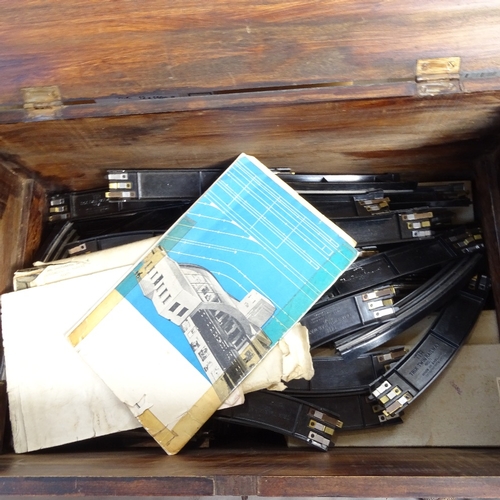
91, 58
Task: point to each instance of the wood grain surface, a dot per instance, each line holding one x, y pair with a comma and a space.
404, 472
97, 49
487, 195
433, 138
22, 202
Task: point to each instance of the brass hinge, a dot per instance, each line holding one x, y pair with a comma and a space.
438, 76
42, 103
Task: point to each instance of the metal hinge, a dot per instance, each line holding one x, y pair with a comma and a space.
438, 76
42, 103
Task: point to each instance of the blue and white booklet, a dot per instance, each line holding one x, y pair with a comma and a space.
177, 335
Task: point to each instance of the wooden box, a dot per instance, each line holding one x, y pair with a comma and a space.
339, 86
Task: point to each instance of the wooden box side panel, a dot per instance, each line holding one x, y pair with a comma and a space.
433, 139
22, 202
487, 184
356, 473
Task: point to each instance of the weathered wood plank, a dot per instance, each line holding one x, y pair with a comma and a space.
163, 103
95, 49
487, 195
434, 138
22, 201
405, 472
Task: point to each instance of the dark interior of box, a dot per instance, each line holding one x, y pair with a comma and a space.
440, 138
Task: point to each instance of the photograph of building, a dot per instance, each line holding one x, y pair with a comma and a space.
225, 334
